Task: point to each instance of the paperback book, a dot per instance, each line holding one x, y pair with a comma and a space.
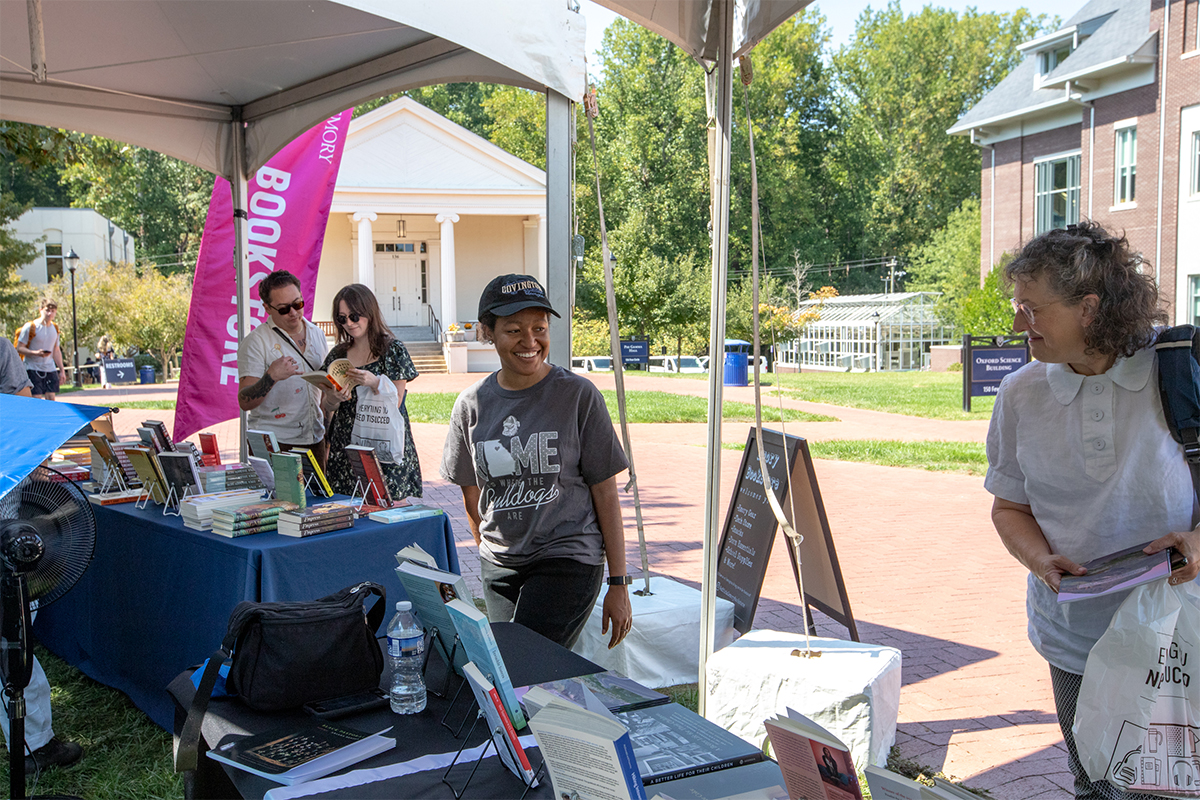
504, 734
475, 633
430, 589
673, 742
814, 762
404, 513
248, 528
320, 485
302, 752
588, 754
1115, 572
262, 443
115, 498
251, 511
761, 781
262, 468
209, 449
317, 519
367, 472
145, 463
149, 439
613, 690
161, 437
197, 511
179, 472
334, 378
289, 478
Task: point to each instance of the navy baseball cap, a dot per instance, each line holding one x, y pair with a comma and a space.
509, 294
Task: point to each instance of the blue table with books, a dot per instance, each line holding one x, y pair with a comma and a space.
157, 596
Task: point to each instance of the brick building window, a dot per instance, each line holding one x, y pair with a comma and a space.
1125, 165
1056, 193
54, 261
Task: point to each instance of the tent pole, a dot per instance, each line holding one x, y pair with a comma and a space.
559, 109
716, 340
241, 246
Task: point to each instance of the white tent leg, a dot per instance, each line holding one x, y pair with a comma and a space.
558, 222
241, 248
716, 341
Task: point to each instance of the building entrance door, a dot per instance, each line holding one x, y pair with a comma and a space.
398, 287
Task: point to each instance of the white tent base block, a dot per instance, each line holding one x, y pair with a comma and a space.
663, 647
853, 689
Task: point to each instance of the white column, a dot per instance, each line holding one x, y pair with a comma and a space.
364, 265
533, 248
449, 312
541, 254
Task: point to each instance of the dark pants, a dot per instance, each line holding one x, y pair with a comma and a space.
553, 597
1066, 696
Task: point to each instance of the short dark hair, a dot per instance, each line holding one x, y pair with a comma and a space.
1086, 259
276, 280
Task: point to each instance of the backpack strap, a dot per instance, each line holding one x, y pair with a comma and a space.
187, 755
1178, 352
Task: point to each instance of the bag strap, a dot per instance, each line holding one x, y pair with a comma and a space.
1178, 350
186, 756
288, 339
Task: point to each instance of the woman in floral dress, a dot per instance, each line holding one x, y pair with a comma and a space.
369, 345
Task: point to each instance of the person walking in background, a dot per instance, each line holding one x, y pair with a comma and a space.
38, 343
43, 749
376, 354
1080, 458
271, 357
533, 449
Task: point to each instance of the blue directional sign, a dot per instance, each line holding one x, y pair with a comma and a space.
119, 370
635, 352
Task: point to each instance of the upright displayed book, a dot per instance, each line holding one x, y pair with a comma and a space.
149, 440
404, 513
209, 450
159, 430
334, 378
430, 589
110, 461
885, 785
1115, 572
262, 468
262, 443
302, 752
289, 478
179, 473
311, 521
588, 754
119, 450
814, 762
475, 633
319, 484
416, 554
145, 463
673, 742
615, 691
369, 475
500, 726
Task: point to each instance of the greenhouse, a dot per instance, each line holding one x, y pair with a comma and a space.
866, 333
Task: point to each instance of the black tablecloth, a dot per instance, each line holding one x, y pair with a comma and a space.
529, 657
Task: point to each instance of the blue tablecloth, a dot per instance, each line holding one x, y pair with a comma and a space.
157, 595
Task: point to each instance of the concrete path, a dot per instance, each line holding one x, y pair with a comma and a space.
923, 567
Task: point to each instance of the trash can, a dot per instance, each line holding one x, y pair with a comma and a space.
736, 367
147, 374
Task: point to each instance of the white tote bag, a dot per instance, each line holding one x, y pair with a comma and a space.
1136, 723
377, 422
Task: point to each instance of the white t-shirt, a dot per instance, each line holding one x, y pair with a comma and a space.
44, 337
1093, 458
292, 409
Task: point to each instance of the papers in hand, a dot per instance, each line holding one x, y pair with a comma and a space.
1115, 572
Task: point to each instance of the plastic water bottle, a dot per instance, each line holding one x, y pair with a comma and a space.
406, 650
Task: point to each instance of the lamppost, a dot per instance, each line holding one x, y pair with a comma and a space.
71, 259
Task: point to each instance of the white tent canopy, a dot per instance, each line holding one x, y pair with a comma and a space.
172, 75
694, 25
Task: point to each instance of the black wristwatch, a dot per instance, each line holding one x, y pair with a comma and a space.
620, 580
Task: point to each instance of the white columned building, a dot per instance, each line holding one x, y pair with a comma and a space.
364, 265
448, 272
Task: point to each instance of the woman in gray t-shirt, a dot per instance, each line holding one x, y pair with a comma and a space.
533, 448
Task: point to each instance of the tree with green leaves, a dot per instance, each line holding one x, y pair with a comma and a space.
949, 262
18, 298
986, 311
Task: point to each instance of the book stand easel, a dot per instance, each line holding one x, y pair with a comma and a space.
458, 793
113, 477
453, 701
369, 488
170, 510
435, 637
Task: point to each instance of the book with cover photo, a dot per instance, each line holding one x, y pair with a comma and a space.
814, 762
475, 633
1116, 572
301, 752
673, 742
429, 589
179, 472
613, 689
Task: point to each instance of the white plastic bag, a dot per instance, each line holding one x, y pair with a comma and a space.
377, 422
1136, 723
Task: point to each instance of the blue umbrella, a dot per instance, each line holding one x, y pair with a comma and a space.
30, 430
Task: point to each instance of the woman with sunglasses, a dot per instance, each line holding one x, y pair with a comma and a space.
269, 359
369, 345
1080, 459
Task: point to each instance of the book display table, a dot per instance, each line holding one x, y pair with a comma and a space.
663, 648
157, 596
853, 689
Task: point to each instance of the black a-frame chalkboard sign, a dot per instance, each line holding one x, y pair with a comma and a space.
750, 528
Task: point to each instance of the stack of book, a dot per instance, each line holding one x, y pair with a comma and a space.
234, 521
289, 478
317, 519
66, 470
197, 511
223, 477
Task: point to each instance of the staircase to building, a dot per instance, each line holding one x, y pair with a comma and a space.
426, 352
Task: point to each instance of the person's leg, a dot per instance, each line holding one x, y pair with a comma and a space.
38, 730
1066, 696
501, 589
38, 389
557, 597
50, 384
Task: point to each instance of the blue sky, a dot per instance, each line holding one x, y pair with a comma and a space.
842, 15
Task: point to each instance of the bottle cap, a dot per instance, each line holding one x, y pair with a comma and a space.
404, 605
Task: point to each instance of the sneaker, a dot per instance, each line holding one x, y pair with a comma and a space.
54, 753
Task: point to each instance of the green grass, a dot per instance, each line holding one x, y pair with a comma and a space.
156, 405
124, 753
641, 406
935, 456
935, 395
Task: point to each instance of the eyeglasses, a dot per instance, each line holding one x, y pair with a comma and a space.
287, 308
1021, 308
341, 318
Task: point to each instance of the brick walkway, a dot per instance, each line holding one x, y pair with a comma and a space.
924, 570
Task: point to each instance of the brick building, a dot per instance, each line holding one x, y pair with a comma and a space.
1101, 120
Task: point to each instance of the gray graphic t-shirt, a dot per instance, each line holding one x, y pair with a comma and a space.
534, 453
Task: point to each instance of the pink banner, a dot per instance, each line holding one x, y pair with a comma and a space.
289, 201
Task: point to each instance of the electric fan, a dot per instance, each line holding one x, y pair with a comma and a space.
47, 534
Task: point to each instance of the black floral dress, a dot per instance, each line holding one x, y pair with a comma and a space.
403, 480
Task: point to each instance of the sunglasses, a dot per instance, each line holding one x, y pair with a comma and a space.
287, 308
341, 318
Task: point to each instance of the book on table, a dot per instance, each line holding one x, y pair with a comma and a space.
613, 690
289, 478
149, 439
262, 468
475, 633
262, 443
310, 521
247, 528
404, 513
320, 485
367, 472
334, 377
111, 461
429, 589
416, 554
209, 449
304, 751
1115, 572
587, 754
674, 742
179, 472
145, 463
161, 436
116, 497
815, 763
197, 511
500, 725
244, 520
760, 781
